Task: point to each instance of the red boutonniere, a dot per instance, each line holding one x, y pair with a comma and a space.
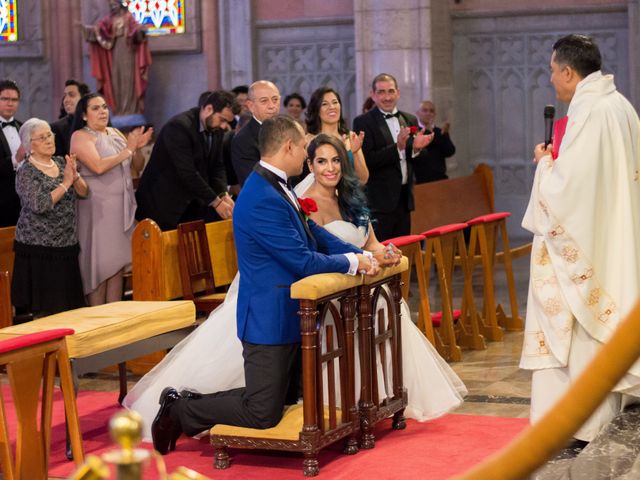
308, 206
413, 130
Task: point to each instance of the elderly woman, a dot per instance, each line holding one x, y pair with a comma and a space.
106, 220
46, 276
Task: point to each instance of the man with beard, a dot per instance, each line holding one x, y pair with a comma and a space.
185, 175
73, 92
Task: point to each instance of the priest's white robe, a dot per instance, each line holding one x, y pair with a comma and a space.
584, 212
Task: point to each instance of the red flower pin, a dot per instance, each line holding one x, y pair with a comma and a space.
307, 205
413, 130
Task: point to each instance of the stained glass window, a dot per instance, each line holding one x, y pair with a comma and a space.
161, 17
8, 20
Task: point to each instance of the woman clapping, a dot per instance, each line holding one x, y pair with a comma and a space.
46, 277
106, 220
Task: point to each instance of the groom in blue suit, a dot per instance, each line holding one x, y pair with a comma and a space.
276, 247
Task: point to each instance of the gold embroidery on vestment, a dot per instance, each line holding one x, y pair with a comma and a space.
570, 254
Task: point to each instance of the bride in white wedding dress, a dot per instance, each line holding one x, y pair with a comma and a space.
210, 359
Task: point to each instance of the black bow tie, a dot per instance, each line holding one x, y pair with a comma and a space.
391, 115
12, 123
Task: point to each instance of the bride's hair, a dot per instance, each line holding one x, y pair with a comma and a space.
352, 201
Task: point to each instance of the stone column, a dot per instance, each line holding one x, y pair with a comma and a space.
210, 42
394, 36
236, 43
65, 46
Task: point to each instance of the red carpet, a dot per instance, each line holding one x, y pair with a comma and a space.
433, 450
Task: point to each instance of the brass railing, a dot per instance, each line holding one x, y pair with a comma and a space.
540, 441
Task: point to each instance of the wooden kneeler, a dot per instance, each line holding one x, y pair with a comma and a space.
442, 245
380, 336
411, 247
31, 361
319, 421
484, 233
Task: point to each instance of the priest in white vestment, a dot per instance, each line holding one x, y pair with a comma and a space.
584, 212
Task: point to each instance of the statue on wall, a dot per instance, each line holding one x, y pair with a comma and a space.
120, 59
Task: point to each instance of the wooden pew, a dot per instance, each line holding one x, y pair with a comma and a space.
156, 268
155, 264
458, 200
7, 234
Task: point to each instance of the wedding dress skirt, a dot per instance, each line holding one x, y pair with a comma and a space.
210, 360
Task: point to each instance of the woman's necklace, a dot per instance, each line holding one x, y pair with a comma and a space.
43, 164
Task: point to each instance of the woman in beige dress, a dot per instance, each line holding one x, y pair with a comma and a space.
106, 219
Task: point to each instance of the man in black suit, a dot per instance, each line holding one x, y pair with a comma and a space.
185, 174
390, 149
432, 164
10, 152
73, 92
264, 103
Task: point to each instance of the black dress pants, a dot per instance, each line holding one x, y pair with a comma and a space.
272, 376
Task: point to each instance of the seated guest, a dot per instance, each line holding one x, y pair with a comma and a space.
10, 152
432, 163
106, 218
324, 115
46, 275
73, 91
294, 104
264, 102
185, 175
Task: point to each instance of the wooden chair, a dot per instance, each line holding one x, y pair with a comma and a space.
196, 271
31, 361
443, 244
6, 313
411, 247
483, 238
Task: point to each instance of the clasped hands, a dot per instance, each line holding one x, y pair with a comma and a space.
223, 206
382, 257
420, 140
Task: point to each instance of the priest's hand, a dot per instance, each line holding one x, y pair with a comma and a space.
539, 152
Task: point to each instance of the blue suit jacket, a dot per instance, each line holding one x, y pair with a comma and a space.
274, 251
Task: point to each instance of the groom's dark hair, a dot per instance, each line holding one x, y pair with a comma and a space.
275, 131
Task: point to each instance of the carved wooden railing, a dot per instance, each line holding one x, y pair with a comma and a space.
330, 307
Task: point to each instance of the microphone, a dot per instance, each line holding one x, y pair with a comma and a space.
549, 114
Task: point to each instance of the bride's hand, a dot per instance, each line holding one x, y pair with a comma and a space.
388, 256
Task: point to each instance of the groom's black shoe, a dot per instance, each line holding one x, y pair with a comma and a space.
164, 430
189, 395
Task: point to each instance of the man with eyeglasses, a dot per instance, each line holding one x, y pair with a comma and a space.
10, 152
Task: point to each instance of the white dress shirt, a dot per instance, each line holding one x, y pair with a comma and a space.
13, 139
394, 127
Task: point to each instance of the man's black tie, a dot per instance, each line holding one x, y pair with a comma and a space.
208, 140
12, 123
391, 115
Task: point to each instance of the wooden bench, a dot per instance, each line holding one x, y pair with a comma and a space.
459, 200
114, 333
156, 268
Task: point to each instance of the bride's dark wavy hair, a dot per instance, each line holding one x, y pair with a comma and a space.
352, 201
